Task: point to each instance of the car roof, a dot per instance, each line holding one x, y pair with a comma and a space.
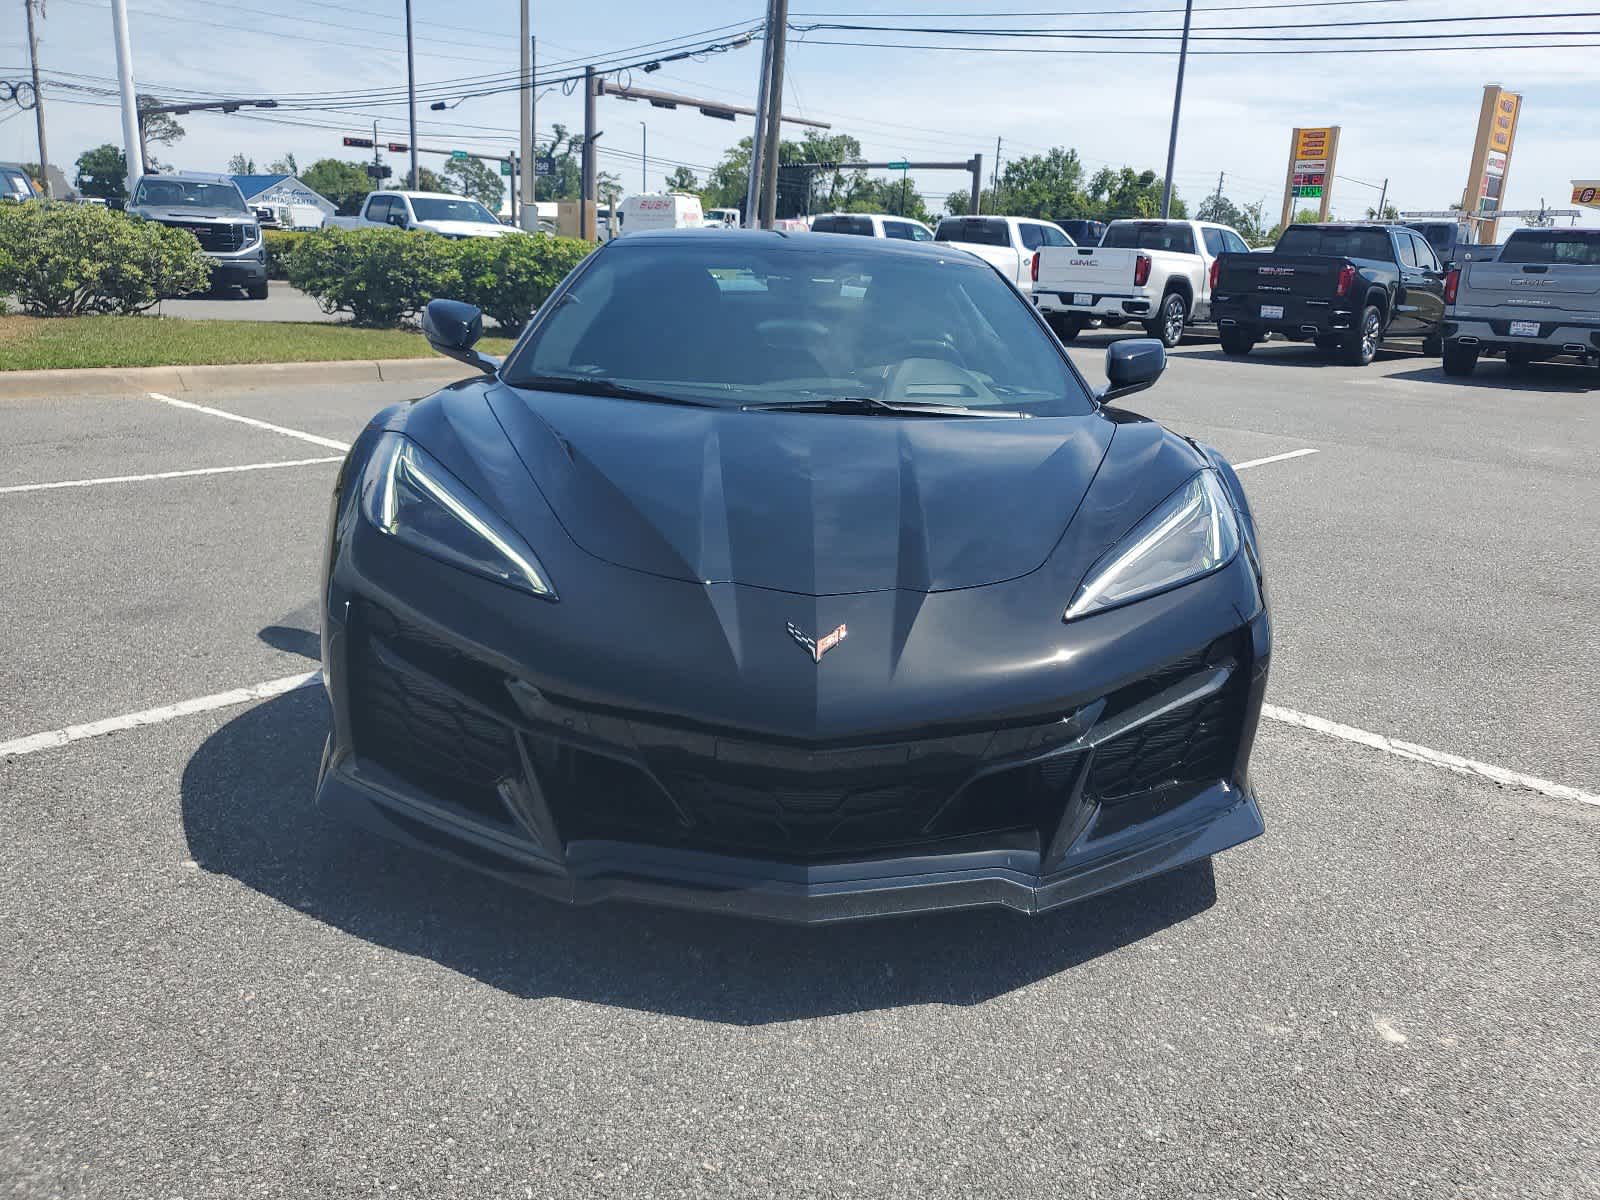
855, 244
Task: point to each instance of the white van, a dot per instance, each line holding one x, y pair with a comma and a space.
722, 218
660, 210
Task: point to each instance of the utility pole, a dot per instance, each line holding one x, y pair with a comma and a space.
752, 199
644, 157
411, 95
994, 178
1217, 203
977, 185
38, 95
586, 211
530, 152
1177, 106
131, 134
779, 36
1384, 195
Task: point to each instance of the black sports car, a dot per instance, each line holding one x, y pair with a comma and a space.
801, 577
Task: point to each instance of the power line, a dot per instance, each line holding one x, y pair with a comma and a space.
1210, 53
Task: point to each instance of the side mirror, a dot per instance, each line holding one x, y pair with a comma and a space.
453, 328
1132, 366
397, 219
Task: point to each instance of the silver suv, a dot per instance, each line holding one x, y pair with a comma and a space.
212, 208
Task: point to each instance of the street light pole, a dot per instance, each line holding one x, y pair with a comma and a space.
1177, 106
411, 94
644, 157
134, 154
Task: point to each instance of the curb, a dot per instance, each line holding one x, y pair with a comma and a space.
121, 381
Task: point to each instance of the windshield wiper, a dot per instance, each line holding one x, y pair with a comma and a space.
582, 386
871, 406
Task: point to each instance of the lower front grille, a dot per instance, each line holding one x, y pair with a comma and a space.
447, 724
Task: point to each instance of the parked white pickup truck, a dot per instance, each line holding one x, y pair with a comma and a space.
1157, 273
1540, 299
1008, 242
438, 212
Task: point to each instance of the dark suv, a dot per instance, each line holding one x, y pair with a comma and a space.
212, 208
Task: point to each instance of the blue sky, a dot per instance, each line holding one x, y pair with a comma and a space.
1408, 117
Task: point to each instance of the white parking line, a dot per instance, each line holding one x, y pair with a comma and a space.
277, 687
313, 438
1437, 758
13, 489
1272, 458
156, 716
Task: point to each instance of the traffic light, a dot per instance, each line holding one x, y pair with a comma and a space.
364, 143
379, 171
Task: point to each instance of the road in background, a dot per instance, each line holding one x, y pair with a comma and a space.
283, 303
211, 989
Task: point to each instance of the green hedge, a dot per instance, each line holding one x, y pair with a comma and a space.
61, 260
383, 276
280, 243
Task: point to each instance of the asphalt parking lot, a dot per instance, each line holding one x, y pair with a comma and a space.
211, 990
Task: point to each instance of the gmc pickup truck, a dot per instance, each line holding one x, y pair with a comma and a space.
1539, 299
212, 208
437, 212
1154, 272
1344, 287
1009, 243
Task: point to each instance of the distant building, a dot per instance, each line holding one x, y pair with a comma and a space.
296, 205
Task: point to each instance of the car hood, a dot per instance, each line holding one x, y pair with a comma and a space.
158, 213
816, 504
466, 228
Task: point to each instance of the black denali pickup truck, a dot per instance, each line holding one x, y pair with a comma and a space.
1344, 287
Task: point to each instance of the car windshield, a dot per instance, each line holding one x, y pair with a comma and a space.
1337, 243
1574, 246
1150, 235
755, 323
189, 193
438, 208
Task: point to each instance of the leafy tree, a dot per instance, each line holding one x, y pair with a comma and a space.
283, 166
475, 178
427, 181
682, 180
729, 179
567, 181
240, 165
1048, 186
1129, 193
1390, 213
895, 196
1252, 223
1219, 209
1302, 216
103, 172
160, 129
344, 183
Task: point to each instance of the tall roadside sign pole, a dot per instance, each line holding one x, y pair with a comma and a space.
130, 103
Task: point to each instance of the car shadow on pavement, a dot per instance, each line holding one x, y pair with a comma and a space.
1491, 373
248, 813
